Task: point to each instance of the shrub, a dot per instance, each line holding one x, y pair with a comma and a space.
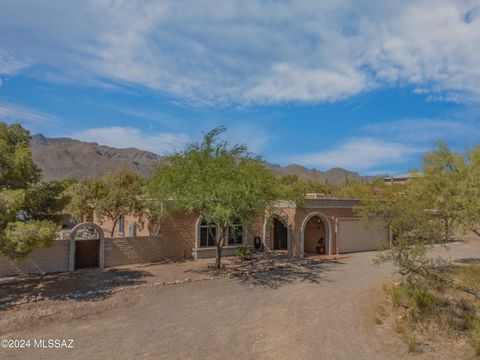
399, 295
423, 299
244, 252
475, 337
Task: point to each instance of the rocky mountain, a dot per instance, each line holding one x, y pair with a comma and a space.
333, 176
62, 158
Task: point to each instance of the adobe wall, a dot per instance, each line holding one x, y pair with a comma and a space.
40, 261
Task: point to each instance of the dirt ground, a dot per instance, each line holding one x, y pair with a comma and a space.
270, 308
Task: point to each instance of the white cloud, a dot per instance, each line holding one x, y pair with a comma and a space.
359, 154
381, 145
10, 65
125, 137
425, 131
287, 83
256, 51
21, 114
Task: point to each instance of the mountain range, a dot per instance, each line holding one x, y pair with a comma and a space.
66, 158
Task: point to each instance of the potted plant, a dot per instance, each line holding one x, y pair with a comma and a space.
320, 246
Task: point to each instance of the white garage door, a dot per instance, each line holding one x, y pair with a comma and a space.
357, 235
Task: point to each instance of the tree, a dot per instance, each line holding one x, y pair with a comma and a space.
440, 200
111, 196
18, 171
26, 222
224, 184
450, 185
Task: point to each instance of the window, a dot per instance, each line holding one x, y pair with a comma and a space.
208, 234
121, 224
235, 235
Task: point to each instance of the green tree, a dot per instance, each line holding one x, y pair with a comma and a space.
109, 197
439, 201
224, 184
26, 222
443, 185
17, 169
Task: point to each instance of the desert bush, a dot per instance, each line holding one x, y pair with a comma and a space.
425, 311
244, 252
475, 337
424, 300
399, 296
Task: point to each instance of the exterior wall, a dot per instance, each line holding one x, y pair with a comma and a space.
253, 230
47, 260
124, 251
106, 226
179, 234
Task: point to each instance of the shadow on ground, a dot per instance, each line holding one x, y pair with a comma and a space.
468, 261
83, 285
273, 270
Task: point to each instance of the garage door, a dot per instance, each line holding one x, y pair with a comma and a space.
357, 235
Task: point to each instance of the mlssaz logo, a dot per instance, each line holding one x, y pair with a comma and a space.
53, 343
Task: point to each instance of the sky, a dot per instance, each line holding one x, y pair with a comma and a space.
364, 85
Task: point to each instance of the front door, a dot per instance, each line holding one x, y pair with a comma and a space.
280, 235
86, 253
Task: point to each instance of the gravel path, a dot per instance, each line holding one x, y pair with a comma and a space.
326, 316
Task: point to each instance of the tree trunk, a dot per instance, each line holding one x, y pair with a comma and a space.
112, 231
447, 230
476, 232
218, 258
220, 243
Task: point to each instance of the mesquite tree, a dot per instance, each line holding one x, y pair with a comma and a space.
224, 184
109, 197
442, 200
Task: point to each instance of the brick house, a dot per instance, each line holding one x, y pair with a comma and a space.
322, 226
326, 223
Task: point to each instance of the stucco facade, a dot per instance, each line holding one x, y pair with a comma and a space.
299, 231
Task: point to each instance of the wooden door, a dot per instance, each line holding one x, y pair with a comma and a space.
280, 235
86, 253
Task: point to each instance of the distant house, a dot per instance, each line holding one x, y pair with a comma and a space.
400, 178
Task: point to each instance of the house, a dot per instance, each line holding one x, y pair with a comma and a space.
400, 178
329, 224
326, 226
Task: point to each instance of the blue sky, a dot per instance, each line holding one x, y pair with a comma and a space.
360, 84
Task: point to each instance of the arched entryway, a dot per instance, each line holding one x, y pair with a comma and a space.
87, 245
278, 234
315, 235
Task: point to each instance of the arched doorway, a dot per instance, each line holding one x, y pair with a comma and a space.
315, 235
87, 245
280, 235
277, 234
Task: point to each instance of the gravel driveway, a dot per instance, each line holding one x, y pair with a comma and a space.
328, 314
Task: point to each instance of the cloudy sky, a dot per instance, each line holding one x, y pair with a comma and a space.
366, 85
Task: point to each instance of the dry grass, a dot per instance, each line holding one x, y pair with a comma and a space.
426, 317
